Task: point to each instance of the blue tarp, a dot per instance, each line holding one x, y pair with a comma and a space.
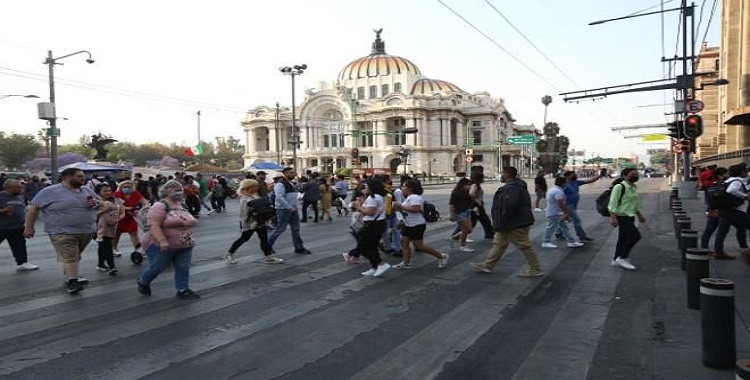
265, 166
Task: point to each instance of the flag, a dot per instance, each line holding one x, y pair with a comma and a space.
194, 151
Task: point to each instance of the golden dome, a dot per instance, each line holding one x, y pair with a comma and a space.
378, 63
433, 86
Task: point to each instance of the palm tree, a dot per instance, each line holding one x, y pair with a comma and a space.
546, 100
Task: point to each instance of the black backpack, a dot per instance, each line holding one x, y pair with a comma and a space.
719, 199
262, 210
602, 201
430, 213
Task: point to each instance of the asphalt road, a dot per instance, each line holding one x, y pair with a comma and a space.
315, 317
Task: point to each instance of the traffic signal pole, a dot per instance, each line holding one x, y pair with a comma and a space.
686, 164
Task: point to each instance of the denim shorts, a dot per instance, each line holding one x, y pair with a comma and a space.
461, 216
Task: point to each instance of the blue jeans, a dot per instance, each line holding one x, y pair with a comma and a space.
390, 223
284, 218
553, 224
711, 225
158, 261
576, 220
740, 220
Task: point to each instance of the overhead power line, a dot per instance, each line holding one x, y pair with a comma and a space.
120, 92
708, 24
522, 63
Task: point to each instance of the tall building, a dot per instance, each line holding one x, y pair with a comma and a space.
374, 105
707, 70
734, 98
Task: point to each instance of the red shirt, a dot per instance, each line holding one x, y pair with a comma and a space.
705, 178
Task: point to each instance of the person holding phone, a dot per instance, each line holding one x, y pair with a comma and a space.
69, 212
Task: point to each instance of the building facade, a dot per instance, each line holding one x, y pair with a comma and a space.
734, 98
384, 106
714, 133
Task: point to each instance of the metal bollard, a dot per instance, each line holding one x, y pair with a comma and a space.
717, 323
676, 216
742, 371
688, 239
676, 204
696, 269
682, 224
675, 192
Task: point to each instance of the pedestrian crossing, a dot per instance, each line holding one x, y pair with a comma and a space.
314, 317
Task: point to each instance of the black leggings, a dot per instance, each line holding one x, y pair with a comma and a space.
246, 235
367, 244
104, 252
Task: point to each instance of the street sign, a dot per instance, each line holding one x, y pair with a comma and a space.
523, 139
693, 106
469, 158
52, 132
653, 137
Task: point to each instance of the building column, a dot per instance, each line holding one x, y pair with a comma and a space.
380, 138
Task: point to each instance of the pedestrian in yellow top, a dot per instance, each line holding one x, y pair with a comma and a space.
624, 207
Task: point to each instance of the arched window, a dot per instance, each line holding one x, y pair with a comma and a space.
333, 129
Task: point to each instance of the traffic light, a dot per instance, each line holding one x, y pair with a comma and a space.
675, 130
693, 126
685, 146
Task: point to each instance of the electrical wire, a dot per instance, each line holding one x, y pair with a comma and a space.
708, 24
700, 19
118, 91
485, 35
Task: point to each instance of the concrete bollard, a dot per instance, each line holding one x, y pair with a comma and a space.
682, 224
688, 239
675, 203
696, 270
718, 343
742, 370
676, 216
675, 193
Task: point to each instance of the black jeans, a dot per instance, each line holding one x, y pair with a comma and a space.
218, 203
193, 205
104, 252
367, 243
481, 215
711, 225
246, 235
305, 205
17, 243
628, 235
740, 220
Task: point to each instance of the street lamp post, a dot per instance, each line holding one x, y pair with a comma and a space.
53, 132
293, 72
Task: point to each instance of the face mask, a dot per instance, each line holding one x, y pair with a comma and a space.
634, 179
127, 190
177, 196
573, 178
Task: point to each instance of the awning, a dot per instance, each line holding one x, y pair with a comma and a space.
93, 168
738, 116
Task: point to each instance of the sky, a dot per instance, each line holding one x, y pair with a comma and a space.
159, 62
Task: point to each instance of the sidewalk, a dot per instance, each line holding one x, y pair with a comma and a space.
677, 342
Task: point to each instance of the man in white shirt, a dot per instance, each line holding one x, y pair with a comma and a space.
557, 216
736, 216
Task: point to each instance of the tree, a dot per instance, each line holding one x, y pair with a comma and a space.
15, 149
552, 148
164, 162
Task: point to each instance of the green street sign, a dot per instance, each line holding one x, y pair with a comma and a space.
52, 131
523, 139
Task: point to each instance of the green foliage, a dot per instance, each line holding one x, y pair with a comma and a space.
15, 149
553, 148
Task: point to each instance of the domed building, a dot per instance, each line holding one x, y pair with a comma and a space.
383, 113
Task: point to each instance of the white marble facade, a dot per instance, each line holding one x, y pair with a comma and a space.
380, 95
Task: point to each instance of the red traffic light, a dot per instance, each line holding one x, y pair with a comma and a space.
693, 126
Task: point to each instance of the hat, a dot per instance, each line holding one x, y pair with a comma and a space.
261, 173
287, 169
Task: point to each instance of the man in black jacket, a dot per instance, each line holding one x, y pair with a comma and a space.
512, 219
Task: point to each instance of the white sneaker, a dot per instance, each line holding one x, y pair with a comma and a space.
624, 263
442, 262
382, 268
369, 272
614, 263
117, 253
27, 266
548, 245
469, 240
575, 244
402, 265
538, 210
464, 248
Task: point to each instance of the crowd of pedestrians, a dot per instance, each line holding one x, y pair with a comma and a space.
385, 218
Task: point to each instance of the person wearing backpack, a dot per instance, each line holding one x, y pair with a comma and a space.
512, 219
624, 207
712, 215
735, 216
253, 221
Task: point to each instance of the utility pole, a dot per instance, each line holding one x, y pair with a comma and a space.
199, 127
278, 137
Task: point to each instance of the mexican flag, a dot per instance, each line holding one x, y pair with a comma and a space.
194, 151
